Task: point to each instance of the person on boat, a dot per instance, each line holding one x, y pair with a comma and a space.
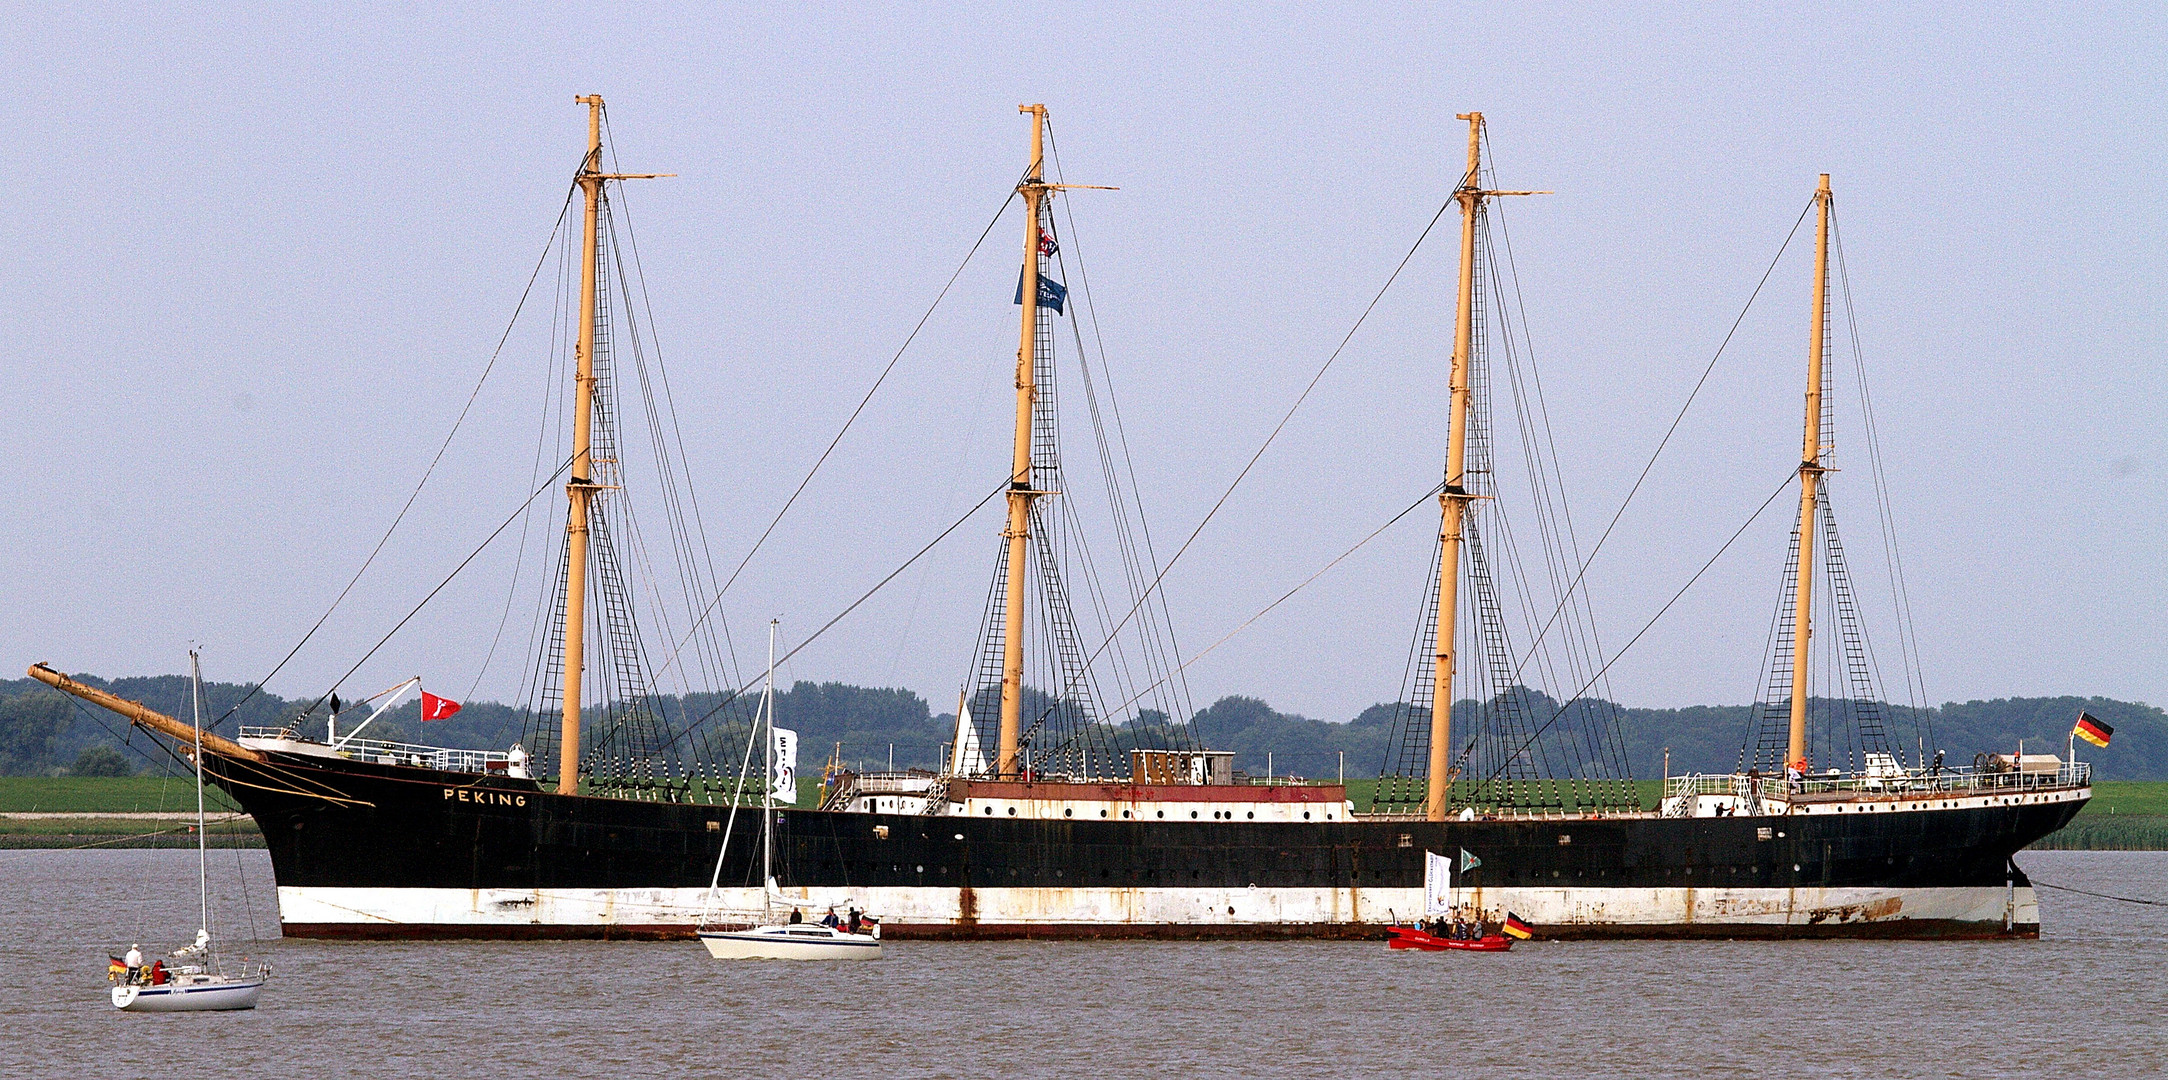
134, 963
796, 916
854, 921
158, 973
830, 921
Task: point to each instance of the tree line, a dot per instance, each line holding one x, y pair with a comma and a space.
46, 733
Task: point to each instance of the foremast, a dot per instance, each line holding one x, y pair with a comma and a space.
1453, 500
1810, 475
1022, 492
581, 488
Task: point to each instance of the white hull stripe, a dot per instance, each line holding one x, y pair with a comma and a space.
378, 910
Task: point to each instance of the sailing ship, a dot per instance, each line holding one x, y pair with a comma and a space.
763, 936
1047, 819
198, 982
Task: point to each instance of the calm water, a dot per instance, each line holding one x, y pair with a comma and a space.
2085, 1000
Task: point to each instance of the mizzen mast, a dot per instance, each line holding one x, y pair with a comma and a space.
580, 490
1810, 475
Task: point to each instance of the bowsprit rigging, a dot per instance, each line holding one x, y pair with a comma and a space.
1052, 817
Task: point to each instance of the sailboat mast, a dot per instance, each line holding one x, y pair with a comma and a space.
767, 783
580, 490
1453, 501
1810, 475
1021, 493
203, 873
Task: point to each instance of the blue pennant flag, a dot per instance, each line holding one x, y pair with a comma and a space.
1468, 862
1052, 293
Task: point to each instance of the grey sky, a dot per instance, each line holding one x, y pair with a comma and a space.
258, 257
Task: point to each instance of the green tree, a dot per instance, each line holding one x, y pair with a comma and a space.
101, 761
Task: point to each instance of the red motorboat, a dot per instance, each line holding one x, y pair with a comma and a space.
1408, 937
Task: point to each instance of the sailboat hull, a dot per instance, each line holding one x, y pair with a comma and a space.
219, 996
789, 943
368, 850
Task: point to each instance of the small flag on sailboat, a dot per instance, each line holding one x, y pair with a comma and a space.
1468, 862
2092, 731
1052, 293
117, 967
1514, 927
437, 708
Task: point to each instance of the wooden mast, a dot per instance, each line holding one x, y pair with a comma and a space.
1810, 474
1453, 501
580, 490
1021, 492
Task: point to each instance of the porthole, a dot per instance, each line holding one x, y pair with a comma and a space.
1102, 813
1253, 815
1193, 813
921, 868
1125, 813
989, 811
1305, 815
1012, 811
1162, 813
1067, 812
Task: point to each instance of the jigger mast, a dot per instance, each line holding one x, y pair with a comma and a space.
1810, 475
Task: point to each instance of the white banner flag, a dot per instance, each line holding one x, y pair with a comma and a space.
1437, 883
784, 784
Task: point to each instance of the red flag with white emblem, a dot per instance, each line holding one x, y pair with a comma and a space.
437, 708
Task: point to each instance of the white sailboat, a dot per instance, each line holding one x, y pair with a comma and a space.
196, 982
760, 935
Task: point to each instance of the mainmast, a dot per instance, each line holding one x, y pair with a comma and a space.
1810, 475
1453, 501
1021, 492
581, 488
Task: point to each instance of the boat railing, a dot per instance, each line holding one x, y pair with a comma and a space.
1962, 780
386, 752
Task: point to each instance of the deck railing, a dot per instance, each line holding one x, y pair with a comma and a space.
444, 758
1896, 783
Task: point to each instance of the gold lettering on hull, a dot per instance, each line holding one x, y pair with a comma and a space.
486, 798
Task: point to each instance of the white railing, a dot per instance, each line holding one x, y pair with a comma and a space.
445, 758
1899, 782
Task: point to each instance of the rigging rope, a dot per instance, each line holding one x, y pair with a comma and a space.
2104, 896
1645, 627
426, 473
1666, 440
1277, 428
853, 606
1261, 612
845, 429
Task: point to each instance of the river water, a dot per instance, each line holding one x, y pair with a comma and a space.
2086, 1000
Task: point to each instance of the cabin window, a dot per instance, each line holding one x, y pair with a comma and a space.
1012, 811
1253, 814
989, 811
1305, 815
1068, 812
1193, 813
1102, 813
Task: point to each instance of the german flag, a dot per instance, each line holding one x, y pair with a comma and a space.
2092, 731
116, 968
1516, 928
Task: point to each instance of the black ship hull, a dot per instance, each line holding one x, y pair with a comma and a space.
371, 850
